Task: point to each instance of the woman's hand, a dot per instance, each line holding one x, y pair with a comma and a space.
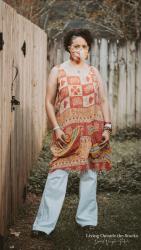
106, 136
60, 137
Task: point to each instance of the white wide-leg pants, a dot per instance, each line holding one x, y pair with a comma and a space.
53, 198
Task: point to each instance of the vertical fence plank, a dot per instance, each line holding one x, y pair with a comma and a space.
28, 67
44, 83
95, 54
59, 52
6, 117
130, 83
40, 89
1, 113
13, 148
104, 61
20, 116
65, 53
113, 83
122, 89
35, 98
138, 85
59, 55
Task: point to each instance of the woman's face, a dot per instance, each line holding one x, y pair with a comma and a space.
79, 49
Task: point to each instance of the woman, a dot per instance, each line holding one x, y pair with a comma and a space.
78, 109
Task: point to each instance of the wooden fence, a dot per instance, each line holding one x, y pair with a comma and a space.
120, 67
23, 74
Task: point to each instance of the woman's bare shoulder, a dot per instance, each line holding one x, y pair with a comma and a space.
54, 71
56, 67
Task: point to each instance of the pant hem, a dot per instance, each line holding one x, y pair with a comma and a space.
37, 228
88, 224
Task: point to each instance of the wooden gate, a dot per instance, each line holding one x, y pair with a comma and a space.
23, 123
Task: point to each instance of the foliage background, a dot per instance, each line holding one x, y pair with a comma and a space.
105, 18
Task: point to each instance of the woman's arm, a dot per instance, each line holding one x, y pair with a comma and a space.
104, 99
104, 105
51, 92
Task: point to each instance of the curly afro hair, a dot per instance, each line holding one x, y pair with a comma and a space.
86, 34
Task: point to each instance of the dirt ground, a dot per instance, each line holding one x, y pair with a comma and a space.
118, 197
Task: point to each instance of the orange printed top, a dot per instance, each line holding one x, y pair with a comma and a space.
78, 105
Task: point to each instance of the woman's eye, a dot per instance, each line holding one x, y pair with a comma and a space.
76, 46
85, 47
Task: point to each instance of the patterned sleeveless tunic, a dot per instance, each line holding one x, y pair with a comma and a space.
78, 105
